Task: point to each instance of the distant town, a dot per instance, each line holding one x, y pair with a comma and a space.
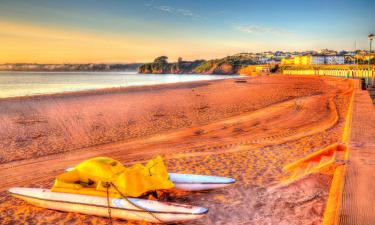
244, 63
324, 56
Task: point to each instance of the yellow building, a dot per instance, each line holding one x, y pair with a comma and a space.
254, 70
297, 60
287, 61
310, 60
302, 60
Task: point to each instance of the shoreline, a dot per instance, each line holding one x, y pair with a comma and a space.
114, 89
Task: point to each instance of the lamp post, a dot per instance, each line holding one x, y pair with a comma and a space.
370, 37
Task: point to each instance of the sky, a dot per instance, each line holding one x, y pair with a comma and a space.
128, 31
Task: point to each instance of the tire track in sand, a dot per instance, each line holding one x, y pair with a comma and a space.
276, 124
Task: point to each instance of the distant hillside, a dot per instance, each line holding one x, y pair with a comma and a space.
225, 66
70, 67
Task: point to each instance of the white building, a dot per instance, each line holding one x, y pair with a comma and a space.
327, 59
317, 59
261, 59
334, 59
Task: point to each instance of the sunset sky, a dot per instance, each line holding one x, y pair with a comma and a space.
138, 31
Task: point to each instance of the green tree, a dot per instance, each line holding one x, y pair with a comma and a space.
161, 60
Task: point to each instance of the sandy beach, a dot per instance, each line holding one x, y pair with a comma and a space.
246, 128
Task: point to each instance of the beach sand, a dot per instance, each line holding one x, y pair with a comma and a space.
246, 128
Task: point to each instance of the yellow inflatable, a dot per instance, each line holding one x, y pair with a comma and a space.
93, 176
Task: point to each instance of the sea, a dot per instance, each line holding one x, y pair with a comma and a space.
14, 84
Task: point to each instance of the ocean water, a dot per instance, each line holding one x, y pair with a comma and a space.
35, 83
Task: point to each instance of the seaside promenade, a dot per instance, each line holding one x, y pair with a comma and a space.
358, 198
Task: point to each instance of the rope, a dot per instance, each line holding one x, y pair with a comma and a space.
139, 207
107, 185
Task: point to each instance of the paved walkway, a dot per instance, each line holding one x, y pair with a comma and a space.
358, 202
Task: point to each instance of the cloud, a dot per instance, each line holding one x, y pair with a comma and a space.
165, 8
177, 11
255, 29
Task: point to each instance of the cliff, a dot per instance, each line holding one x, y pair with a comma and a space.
225, 66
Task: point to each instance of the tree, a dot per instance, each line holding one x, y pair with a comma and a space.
161, 60
160, 65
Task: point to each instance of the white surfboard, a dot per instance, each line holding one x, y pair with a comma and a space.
120, 208
191, 182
